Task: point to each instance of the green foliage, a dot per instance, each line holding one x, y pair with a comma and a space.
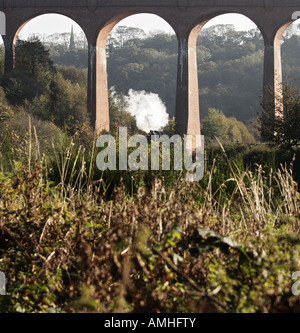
64, 104
215, 124
35, 87
76, 57
32, 74
18, 130
32, 58
224, 61
146, 67
73, 74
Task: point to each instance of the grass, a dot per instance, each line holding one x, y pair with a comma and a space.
73, 239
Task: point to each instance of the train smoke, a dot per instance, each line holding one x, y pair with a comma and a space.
148, 109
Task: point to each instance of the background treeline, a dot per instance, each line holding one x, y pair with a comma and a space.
230, 65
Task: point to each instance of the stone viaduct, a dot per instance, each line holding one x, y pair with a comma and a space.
98, 17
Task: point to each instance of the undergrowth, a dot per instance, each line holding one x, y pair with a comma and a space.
73, 239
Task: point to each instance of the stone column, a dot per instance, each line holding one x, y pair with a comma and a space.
187, 98
98, 105
272, 102
9, 53
14, 24
91, 88
102, 104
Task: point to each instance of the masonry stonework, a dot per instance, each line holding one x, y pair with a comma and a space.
98, 17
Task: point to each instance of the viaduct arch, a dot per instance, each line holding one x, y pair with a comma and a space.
186, 17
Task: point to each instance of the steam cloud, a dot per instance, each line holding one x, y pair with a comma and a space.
148, 109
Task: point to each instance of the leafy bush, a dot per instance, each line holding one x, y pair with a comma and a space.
215, 124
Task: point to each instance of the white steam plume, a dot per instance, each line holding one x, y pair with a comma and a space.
148, 109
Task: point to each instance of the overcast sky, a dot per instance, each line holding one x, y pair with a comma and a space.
50, 23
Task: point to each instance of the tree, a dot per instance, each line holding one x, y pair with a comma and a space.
41, 91
73, 74
227, 130
33, 72
32, 57
214, 124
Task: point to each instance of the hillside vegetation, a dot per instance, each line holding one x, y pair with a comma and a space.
230, 66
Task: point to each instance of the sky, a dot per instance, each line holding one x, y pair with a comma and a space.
50, 23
